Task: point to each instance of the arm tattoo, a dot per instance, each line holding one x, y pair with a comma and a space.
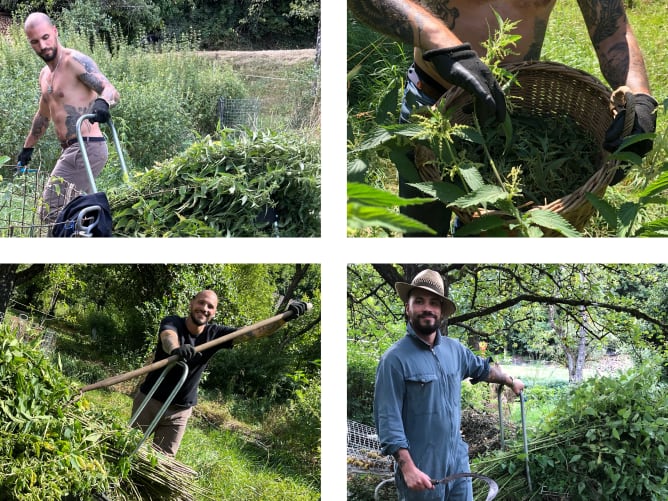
40, 124
389, 18
603, 19
403, 21
442, 11
91, 77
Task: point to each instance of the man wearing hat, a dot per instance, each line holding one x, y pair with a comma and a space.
418, 391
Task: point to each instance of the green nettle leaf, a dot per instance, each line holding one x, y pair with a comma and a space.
606, 210
657, 185
483, 224
553, 221
378, 136
368, 195
387, 108
402, 161
360, 216
627, 214
442, 190
486, 194
471, 175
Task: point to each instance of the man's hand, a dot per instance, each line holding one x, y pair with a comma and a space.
461, 66
415, 478
516, 385
645, 121
297, 308
101, 110
185, 352
25, 156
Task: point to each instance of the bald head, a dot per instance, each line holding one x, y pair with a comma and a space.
35, 19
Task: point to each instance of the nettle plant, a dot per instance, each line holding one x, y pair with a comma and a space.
497, 171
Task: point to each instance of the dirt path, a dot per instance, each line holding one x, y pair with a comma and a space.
262, 57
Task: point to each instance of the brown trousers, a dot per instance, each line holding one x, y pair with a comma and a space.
69, 177
171, 427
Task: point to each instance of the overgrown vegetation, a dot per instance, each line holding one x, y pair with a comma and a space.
606, 438
53, 446
255, 433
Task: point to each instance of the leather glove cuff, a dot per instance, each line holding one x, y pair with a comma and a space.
456, 53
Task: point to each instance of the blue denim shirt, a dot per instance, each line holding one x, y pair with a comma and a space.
417, 403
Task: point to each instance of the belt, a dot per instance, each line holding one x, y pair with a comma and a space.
70, 142
425, 82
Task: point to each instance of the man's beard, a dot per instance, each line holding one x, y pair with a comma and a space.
424, 329
51, 57
198, 322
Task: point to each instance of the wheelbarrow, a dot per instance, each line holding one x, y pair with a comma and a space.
89, 215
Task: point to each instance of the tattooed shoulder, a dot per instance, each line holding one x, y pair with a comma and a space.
91, 76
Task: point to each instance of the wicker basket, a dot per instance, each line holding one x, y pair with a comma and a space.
545, 89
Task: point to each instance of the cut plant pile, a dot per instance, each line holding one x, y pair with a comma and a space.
52, 447
555, 155
606, 439
224, 188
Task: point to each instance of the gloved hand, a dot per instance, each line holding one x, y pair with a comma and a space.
185, 352
101, 110
645, 121
461, 66
297, 308
25, 156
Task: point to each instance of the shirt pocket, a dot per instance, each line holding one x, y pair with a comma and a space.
421, 393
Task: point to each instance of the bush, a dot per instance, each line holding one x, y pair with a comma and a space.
605, 439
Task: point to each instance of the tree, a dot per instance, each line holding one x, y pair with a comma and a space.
504, 303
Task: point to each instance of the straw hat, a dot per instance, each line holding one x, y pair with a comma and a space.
430, 281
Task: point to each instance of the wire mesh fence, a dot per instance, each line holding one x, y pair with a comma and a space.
22, 207
236, 113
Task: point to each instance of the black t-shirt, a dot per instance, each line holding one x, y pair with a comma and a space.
187, 395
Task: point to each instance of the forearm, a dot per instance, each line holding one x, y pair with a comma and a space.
110, 95
498, 376
169, 341
617, 49
40, 124
405, 21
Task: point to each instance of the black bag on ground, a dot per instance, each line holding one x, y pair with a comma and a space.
86, 215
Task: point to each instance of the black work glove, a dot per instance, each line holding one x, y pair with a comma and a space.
645, 121
461, 66
25, 156
101, 110
297, 308
185, 352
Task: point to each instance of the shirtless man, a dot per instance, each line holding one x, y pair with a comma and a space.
447, 37
71, 85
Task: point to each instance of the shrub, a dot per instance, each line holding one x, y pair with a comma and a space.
605, 439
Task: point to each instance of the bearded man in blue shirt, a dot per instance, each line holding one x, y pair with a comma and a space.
417, 401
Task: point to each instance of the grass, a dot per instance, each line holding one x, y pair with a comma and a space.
230, 465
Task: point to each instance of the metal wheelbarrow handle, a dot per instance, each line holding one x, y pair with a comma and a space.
84, 153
